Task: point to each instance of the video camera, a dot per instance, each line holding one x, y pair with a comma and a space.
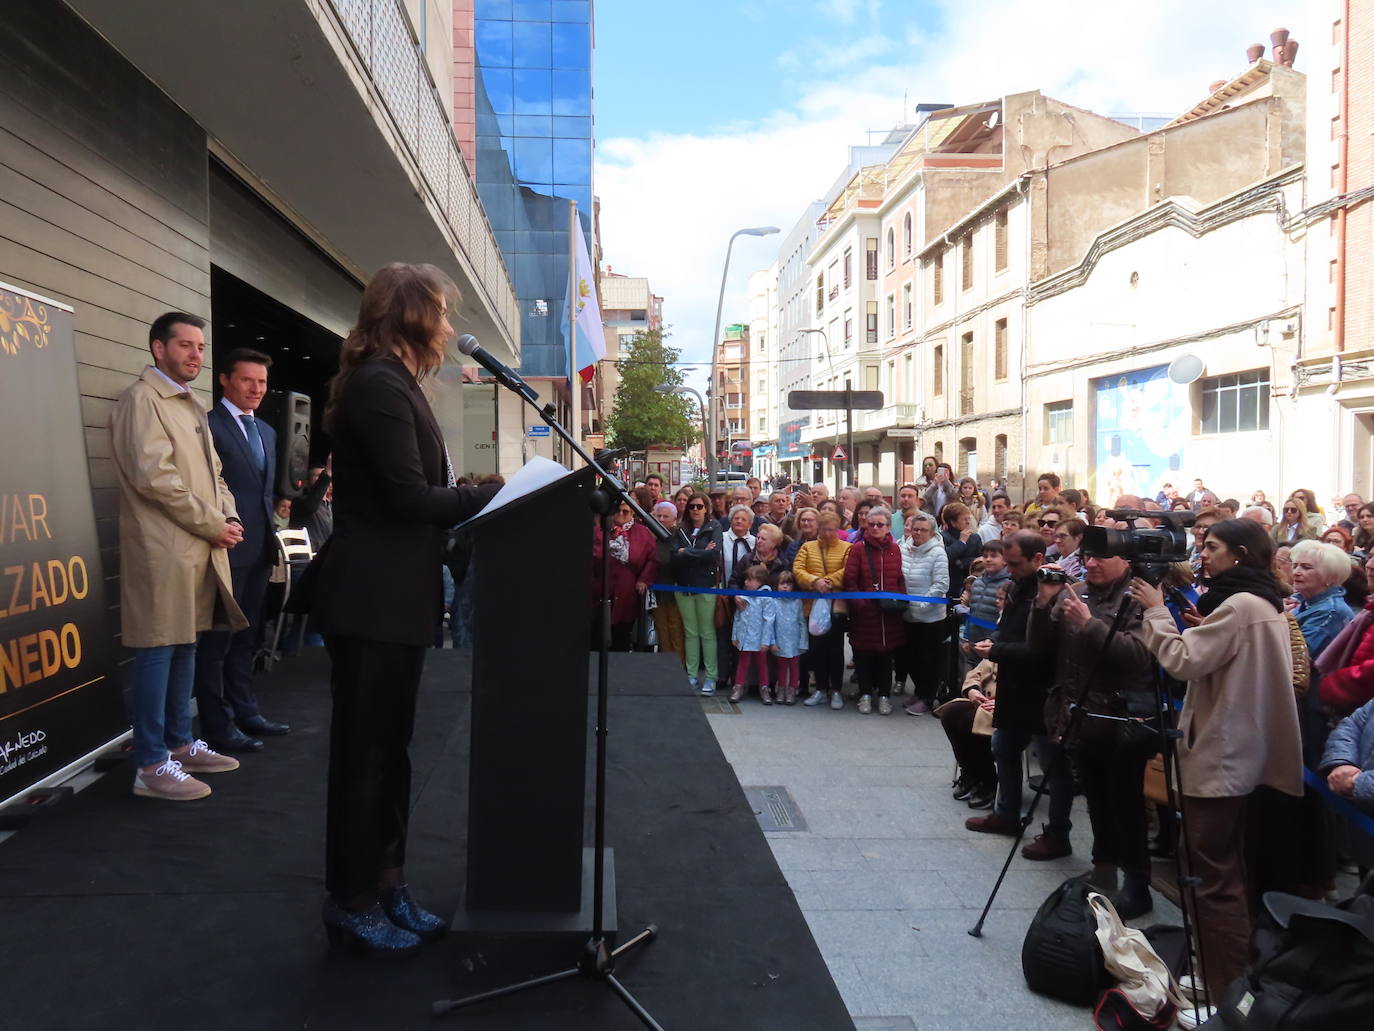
1151, 550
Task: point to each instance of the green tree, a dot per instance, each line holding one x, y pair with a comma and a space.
645, 413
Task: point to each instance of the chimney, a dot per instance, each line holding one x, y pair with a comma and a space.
1278, 37
1290, 53
1254, 52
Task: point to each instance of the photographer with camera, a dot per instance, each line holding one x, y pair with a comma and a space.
1238, 727
1109, 678
1023, 678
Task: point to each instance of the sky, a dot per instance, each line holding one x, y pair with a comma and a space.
714, 115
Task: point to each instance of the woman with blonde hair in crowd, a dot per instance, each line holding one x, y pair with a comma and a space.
819, 566
1293, 524
1316, 518
972, 498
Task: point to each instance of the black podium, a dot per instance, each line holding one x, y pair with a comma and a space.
527, 869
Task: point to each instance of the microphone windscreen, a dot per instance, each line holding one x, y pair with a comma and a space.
467, 343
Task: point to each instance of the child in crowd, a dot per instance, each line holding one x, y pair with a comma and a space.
982, 597
753, 635
789, 638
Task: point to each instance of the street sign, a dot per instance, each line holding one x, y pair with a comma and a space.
538, 431
802, 400
900, 432
839, 455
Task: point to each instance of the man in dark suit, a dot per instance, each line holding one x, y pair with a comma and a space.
229, 716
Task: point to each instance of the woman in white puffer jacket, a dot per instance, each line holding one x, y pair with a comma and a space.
925, 569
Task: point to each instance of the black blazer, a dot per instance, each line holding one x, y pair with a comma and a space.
252, 490
379, 578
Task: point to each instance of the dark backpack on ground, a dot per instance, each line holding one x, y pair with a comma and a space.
1312, 967
1060, 956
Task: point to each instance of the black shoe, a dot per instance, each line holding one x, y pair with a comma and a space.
370, 932
402, 911
962, 791
1131, 902
260, 726
234, 742
982, 799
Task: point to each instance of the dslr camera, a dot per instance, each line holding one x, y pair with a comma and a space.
1151, 550
1052, 576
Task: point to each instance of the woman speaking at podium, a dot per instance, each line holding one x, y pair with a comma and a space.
378, 596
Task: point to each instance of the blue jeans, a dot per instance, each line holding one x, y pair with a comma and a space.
1007, 747
161, 698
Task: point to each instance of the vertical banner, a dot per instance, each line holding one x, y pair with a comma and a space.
58, 699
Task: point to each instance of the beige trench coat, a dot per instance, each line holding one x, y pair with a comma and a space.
1240, 716
173, 505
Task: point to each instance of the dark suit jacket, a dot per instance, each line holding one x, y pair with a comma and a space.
379, 579
253, 491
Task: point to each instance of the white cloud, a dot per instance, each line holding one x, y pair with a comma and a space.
670, 202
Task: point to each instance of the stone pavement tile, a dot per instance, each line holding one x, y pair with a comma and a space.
854, 822
1025, 887
802, 852
858, 999
848, 890
864, 935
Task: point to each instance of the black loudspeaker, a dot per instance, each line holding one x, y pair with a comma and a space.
289, 414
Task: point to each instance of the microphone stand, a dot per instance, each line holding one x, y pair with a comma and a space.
597, 959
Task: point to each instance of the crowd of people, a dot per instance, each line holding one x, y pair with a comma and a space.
1017, 636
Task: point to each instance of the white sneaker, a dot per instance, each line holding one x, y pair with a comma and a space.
884, 706
708, 687
836, 700
866, 704
692, 682
167, 781
201, 758
815, 698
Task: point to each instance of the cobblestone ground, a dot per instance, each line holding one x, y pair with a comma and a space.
889, 879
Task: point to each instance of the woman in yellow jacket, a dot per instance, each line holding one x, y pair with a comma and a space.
819, 566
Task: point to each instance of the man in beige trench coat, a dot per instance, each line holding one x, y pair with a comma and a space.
176, 524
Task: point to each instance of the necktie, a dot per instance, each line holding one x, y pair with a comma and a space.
250, 426
735, 562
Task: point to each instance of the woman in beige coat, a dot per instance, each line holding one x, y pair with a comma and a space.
1239, 724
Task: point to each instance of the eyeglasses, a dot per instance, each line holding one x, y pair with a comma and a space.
1049, 522
878, 524
697, 505
1290, 511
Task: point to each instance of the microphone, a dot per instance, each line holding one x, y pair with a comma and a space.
507, 377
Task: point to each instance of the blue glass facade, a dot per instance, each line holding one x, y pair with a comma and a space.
534, 153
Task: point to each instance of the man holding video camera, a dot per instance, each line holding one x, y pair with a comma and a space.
1113, 680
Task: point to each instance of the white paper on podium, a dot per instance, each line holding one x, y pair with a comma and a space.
536, 473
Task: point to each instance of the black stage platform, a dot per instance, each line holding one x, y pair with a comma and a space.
121, 912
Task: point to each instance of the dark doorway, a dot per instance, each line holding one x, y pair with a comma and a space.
304, 354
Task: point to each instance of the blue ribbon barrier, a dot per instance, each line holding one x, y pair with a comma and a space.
983, 623
860, 595
1344, 806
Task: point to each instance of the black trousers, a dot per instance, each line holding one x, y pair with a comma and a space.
1114, 787
922, 658
374, 687
874, 670
826, 652
224, 660
973, 752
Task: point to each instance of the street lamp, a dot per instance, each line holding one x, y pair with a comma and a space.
682, 388
715, 339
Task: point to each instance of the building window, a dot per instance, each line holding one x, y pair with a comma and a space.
871, 323
999, 457
999, 225
1234, 404
1000, 349
937, 381
938, 277
968, 456
966, 247
891, 316
906, 306
966, 374
907, 388
906, 235
1059, 422
763, 423
820, 293
848, 331
891, 250
870, 377
848, 267
871, 258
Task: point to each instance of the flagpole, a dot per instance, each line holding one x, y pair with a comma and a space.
574, 381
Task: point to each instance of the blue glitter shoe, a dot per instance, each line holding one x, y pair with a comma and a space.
368, 932
402, 911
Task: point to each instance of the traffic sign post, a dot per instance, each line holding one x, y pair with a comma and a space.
848, 399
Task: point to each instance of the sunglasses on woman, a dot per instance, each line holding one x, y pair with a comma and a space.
697, 505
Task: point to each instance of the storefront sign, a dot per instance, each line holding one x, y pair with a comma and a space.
58, 700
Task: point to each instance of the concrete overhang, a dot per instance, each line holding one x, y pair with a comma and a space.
280, 87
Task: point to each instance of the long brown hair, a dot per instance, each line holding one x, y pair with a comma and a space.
402, 307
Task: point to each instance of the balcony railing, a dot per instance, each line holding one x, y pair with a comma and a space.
387, 50
894, 416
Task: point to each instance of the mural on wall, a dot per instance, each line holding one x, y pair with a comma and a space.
1141, 427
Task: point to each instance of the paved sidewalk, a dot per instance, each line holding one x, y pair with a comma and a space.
889, 879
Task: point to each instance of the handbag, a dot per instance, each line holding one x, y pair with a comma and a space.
819, 621
884, 604
1060, 956
1143, 979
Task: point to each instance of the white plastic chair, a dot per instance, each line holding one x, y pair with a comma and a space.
295, 552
